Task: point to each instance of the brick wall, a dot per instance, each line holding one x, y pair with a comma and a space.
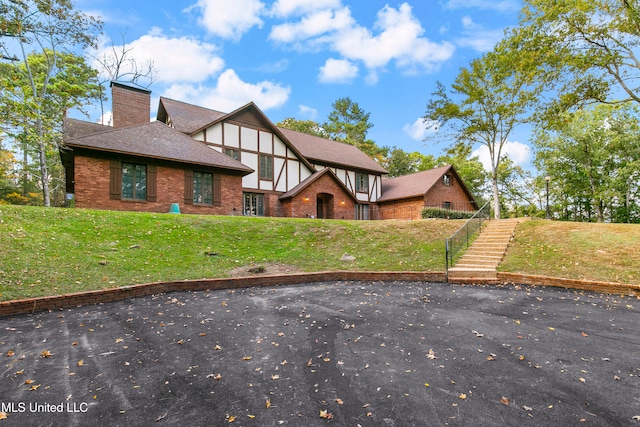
129, 106
441, 193
92, 190
304, 204
31, 305
401, 209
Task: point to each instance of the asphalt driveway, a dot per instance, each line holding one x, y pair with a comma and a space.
347, 354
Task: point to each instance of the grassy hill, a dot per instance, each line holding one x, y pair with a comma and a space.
48, 251
54, 251
576, 250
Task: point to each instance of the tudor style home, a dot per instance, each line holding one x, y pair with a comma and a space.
236, 163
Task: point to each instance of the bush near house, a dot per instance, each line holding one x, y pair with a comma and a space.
445, 213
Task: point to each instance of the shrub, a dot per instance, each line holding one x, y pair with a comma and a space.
445, 213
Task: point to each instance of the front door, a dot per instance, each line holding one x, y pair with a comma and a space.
320, 208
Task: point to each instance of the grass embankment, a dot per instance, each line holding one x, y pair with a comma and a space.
574, 250
45, 251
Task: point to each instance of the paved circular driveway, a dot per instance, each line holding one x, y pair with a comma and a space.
348, 354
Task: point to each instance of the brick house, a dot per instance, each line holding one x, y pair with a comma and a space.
404, 197
211, 162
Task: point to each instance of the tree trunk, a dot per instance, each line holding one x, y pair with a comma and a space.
496, 195
44, 172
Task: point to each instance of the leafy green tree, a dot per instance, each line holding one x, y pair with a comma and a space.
485, 103
398, 162
42, 79
593, 160
305, 126
582, 51
348, 123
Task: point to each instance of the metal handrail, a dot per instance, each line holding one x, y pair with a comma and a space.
464, 234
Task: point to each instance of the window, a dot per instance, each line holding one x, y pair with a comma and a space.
362, 212
266, 167
362, 183
446, 180
446, 205
203, 188
134, 181
234, 154
253, 204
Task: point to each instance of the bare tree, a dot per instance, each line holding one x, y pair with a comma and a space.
117, 64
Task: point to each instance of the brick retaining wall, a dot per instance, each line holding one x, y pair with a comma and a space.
31, 305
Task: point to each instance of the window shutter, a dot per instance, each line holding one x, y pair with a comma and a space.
116, 180
217, 190
152, 187
188, 187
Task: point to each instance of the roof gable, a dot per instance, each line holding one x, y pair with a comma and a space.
183, 117
156, 140
313, 178
418, 184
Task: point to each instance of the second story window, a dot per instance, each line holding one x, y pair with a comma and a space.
362, 183
234, 154
446, 180
266, 167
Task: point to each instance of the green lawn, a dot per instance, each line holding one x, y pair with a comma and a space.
575, 250
48, 251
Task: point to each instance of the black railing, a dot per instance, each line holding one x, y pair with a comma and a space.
464, 234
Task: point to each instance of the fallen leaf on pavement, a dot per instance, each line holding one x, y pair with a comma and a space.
326, 415
45, 353
504, 401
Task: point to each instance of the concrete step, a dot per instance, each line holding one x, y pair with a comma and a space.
481, 259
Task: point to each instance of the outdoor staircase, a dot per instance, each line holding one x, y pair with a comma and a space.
481, 259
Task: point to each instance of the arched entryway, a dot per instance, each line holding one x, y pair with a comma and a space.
324, 206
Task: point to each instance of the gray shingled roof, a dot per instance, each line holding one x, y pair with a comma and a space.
187, 118
413, 185
153, 140
328, 152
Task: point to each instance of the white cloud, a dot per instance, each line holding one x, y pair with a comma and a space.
231, 93
315, 24
229, 19
337, 71
169, 56
285, 8
418, 130
397, 35
477, 37
500, 6
306, 111
518, 152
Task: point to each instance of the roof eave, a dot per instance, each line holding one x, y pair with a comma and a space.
242, 171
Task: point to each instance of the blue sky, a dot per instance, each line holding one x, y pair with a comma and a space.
293, 58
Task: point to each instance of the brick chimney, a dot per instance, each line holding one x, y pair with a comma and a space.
130, 104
